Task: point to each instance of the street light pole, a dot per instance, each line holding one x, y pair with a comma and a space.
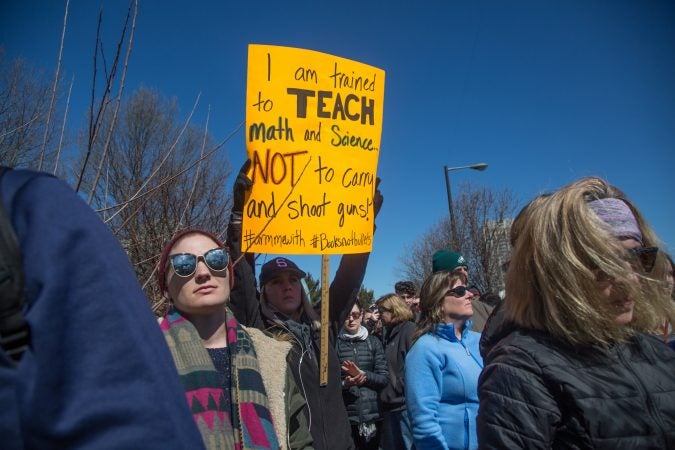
446, 169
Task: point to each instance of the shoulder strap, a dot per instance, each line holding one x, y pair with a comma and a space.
14, 331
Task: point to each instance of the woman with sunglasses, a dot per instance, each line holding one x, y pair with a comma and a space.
365, 373
236, 381
443, 366
571, 364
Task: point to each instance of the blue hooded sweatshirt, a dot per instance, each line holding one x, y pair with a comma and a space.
98, 373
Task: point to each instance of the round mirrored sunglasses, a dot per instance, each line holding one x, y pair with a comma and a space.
185, 264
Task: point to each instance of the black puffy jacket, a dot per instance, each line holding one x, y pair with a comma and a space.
362, 401
537, 391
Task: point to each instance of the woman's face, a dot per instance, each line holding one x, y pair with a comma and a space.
353, 321
203, 292
617, 297
457, 307
283, 293
386, 316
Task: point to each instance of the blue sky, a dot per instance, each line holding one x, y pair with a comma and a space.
545, 92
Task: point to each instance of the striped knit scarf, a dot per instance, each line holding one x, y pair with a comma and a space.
249, 424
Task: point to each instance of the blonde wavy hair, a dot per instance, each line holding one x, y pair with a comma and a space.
561, 249
400, 311
432, 296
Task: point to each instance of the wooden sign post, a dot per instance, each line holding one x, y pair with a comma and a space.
325, 322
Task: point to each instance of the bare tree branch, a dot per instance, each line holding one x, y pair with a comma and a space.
63, 127
94, 125
56, 82
7, 133
117, 105
196, 176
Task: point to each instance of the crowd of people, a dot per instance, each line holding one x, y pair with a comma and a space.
572, 357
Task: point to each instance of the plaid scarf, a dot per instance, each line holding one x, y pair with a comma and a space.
248, 425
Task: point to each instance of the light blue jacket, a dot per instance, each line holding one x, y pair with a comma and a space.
441, 388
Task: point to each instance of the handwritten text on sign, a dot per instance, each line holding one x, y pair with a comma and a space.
313, 128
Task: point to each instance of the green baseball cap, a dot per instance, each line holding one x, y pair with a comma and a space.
447, 260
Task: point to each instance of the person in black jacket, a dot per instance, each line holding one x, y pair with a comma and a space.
568, 359
282, 306
365, 373
397, 318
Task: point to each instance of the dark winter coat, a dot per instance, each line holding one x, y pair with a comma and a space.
397, 341
362, 401
537, 391
98, 373
328, 417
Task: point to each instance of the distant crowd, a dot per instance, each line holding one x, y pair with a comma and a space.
577, 354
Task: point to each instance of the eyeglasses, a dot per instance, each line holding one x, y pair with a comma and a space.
646, 256
355, 315
185, 264
459, 291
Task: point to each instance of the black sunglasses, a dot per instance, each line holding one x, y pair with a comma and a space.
645, 255
459, 291
185, 264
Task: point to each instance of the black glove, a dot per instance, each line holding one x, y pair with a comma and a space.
241, 184
378, 198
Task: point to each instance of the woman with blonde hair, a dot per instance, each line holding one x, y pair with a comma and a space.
443, 366
573, 365
398, 331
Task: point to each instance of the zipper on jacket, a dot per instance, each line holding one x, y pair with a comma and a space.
468, 353
467, 434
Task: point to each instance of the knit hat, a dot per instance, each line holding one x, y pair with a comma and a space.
447, 260
274, 267
163, 260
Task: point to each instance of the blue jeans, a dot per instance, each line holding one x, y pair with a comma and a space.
396, 431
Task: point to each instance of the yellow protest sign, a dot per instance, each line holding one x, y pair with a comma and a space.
313, 129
